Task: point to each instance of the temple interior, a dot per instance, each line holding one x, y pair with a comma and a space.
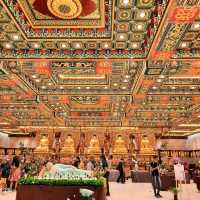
110, 87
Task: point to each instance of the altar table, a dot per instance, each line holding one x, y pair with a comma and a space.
50, 192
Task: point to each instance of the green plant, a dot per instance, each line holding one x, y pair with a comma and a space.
175, 190
81, 182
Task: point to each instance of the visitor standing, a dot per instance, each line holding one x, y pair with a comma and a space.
120, 168
5, 173
154, 167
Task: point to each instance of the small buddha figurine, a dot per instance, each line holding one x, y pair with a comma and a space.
120, 146
68, 147
43, 146
145, 145
94, 147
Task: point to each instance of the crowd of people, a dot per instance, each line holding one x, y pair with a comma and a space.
12, 169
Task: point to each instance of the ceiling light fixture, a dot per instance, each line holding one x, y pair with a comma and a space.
34, 76
15, 37
154, 87
139, 26
196, 25
125, 80
8, 45
63, 45
142, 14
159, 80
105, 87
115, 84
79, 88
43, 87
88, 88
135, 45
192, 87
61, 87
161, 76
123, 87
49, 84
106, 45
184, 44
173, 87
125, 2
78, 45
121, 37
37, 80
36, 45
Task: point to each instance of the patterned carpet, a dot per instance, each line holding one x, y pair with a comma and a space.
134, 191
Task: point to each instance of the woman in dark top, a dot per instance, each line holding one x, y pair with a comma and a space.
5, 173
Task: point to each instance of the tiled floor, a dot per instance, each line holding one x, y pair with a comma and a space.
134, 191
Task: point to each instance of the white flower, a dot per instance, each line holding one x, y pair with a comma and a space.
86, 192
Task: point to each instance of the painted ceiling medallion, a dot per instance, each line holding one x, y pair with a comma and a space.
65, 9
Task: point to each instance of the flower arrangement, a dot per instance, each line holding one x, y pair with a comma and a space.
81, 182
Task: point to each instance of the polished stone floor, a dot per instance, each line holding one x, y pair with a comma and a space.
134, 191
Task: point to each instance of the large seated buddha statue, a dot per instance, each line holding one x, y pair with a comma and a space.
120, 146
146, 147
94, 146
68, 148
43, 146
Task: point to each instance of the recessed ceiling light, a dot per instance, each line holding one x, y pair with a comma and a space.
49, 84
15, 37
106, 45
125, 2
184, 44
139, 26
173, 87
115, 84
121, 37
52, 105
37, 80
43, 87
196, 25
87, 88
105, 87
135, 45
125, 80
154, 87
8, 45
79, 88
192, 87
142, 14
36, 45
61, 87
159, 80
34, 76
63, 45
123, 87
126, 76
161, 76
78, 45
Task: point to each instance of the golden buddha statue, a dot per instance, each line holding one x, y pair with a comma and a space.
68, 148
146, 147
120, 146
43, 146
94, 147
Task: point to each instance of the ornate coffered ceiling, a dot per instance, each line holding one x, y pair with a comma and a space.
120, 63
